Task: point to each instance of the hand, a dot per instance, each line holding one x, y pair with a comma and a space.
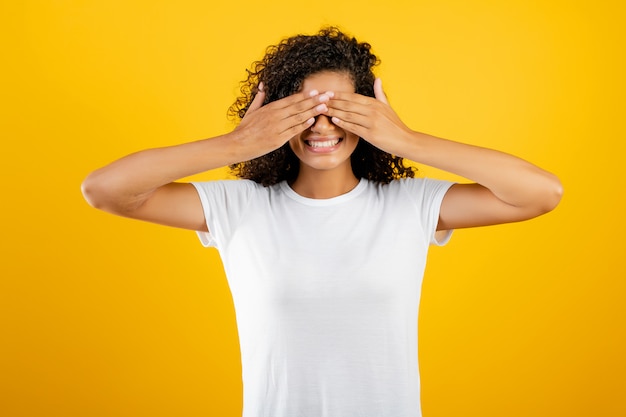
266, 128
370, 118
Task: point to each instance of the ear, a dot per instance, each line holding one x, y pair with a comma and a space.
378, 91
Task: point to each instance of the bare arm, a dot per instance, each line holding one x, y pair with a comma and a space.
142, 185
506, 188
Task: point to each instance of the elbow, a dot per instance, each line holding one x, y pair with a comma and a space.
92, 190
109, 192
551, 195
99, 192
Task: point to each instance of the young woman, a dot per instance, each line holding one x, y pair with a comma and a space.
324, 240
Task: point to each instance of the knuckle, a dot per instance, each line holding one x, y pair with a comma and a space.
293, 130
301, 106
300, 117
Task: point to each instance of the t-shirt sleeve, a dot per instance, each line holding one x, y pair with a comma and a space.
222, 203
428, 194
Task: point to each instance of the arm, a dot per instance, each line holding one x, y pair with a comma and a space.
142, 185
505, 189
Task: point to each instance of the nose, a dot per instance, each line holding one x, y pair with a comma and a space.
322, 124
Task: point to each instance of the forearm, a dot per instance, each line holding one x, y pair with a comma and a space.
127, 183
130, 180
511, 179
509, 188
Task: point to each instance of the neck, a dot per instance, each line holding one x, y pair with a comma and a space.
324, 184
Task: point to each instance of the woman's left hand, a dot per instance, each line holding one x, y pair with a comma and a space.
370, 118
506, 189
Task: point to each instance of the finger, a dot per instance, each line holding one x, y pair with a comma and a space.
349, 106
355, 128
257, 102
351, 97
297, 128
303, 119
354, 103
301, 100
378, 91
349, 116
306, 106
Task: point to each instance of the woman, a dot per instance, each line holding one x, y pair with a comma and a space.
324, 241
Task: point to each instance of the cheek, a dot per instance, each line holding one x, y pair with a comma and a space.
354, 140
294, 142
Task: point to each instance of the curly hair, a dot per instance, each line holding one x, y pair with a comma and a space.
282, 71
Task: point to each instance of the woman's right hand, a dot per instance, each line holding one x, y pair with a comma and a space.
142, 185
265, 128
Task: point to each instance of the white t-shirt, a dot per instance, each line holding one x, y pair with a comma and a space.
326, 293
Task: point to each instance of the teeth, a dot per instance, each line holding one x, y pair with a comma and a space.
323, 144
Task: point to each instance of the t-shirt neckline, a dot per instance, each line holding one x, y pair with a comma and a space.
324, 201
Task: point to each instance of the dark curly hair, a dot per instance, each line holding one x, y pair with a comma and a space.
282, 71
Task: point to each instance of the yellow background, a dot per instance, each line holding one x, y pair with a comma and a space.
104, 316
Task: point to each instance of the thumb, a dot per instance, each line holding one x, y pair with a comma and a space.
257, 102
378, 91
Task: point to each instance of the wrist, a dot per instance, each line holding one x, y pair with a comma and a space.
407, 145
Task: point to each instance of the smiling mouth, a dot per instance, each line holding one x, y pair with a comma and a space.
323, 143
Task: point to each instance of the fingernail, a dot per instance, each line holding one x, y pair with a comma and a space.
330, 94
321, 107
261, 86
324, 97
313, 93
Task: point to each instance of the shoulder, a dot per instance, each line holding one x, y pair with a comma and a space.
235, 186
419, 193
237, 192
421, 185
